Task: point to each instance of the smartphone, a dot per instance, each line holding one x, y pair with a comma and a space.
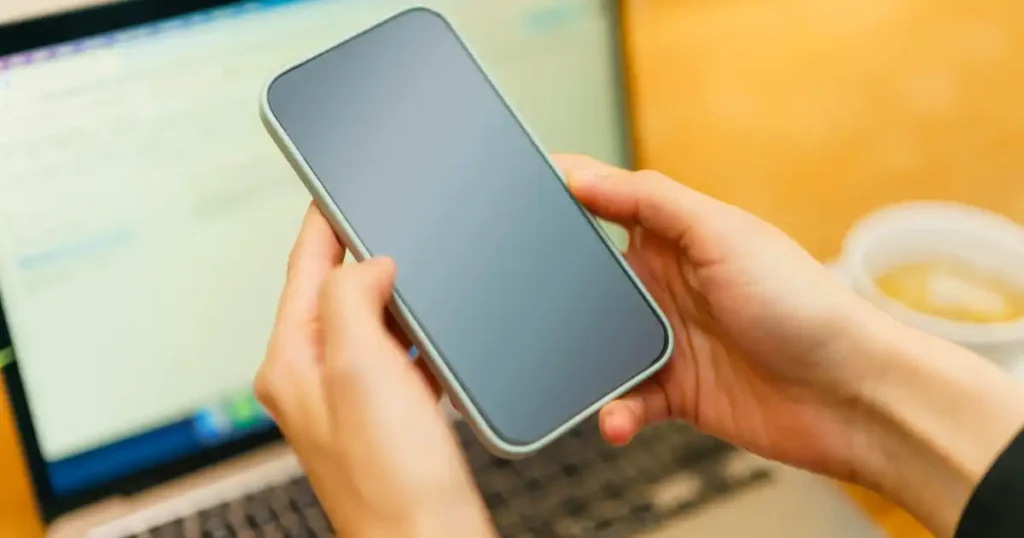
522, 306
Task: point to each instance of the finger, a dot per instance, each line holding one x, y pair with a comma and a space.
421, 364
353, 309
457, 407
429, 378
648, 199
290, 361
315, 254
287, 383
291, 395
622, 419
396, 331
266, 390
573, 165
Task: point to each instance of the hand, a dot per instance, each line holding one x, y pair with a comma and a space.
775, 355
361, 416
766, 339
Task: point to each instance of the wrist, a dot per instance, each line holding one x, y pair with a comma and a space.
940, 416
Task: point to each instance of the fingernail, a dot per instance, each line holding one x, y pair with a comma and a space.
385, 265
587, 176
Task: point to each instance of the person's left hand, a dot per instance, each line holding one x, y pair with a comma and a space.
361, 416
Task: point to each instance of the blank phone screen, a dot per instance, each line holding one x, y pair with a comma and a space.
500, 267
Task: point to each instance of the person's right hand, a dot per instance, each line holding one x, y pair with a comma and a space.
769, 347
777, 356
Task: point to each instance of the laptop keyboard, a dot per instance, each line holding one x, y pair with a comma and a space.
285, 510
577, 487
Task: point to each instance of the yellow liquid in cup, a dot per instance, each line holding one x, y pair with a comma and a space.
953, 290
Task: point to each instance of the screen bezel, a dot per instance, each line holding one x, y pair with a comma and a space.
26, 35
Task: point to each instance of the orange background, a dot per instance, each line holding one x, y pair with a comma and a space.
808, 113
17, 511
812, 112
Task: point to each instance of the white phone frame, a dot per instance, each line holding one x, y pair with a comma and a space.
484, 432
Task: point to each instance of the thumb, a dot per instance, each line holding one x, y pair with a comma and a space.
353, 307
646, 199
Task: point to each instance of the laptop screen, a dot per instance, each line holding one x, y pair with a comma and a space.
146, 217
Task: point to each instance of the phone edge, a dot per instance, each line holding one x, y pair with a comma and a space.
484, 432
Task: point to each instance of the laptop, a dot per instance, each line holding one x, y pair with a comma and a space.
145, 224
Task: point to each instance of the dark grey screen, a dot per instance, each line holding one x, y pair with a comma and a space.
496, 262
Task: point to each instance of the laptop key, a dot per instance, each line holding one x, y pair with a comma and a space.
287, 510
301, 494
316, 520
236, 515
218, 531
192, 529
272, 530
259, 512
214, 512
214, 523
174, 529
292, 523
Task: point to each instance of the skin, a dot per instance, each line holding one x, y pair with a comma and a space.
773, 354
339, 383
